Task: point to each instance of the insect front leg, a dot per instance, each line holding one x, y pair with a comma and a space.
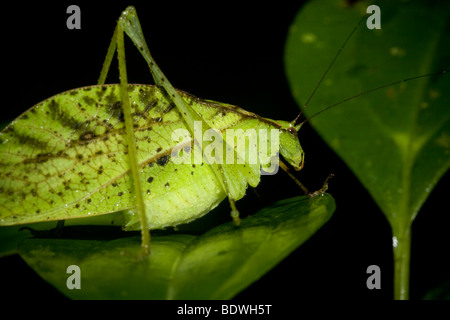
301, 185
321, 190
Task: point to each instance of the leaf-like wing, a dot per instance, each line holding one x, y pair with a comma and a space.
66, 158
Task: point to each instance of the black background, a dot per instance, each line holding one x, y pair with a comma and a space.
229, 52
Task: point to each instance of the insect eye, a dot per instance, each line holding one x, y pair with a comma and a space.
292, 131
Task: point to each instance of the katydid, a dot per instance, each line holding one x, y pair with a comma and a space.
106, 148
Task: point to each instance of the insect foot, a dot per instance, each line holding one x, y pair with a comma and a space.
321, 190
235, 216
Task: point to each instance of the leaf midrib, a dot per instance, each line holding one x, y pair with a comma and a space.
411, 151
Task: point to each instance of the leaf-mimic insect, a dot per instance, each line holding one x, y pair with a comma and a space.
106, 148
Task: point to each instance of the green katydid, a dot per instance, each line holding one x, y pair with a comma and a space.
70, 156
74, 154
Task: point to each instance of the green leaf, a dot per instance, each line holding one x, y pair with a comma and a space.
11, 236
397, 139
215, 265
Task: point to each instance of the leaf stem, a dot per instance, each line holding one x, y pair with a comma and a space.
401, 244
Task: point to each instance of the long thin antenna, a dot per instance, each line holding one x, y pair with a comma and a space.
297, 127
329, 68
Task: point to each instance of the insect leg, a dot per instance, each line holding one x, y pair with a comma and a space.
130, 24
117, 42
226, 186
304, 189
286, 169
321, 190
108, 59
234, 212
131, 140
